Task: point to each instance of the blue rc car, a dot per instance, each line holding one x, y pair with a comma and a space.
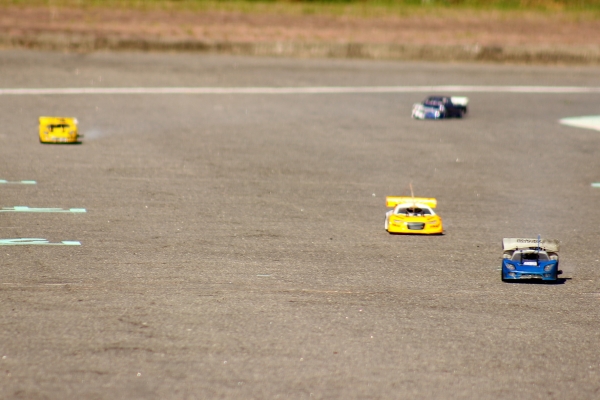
530, 259
436, 107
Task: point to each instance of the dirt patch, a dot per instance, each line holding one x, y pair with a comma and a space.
472, 36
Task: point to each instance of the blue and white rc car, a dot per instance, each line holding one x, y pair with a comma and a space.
437, 107
530, 259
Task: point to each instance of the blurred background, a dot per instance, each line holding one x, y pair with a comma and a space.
532, 31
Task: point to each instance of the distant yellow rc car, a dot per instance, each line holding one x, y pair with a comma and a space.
58, 130
412, 215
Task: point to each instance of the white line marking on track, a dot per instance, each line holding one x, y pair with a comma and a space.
587, 122
40, 284
302, 90
3, 181
36, 241
47, 210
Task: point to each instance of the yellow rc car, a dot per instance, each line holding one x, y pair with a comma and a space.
412, 215
58, 130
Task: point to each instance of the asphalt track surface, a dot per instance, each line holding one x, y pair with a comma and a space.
233, 244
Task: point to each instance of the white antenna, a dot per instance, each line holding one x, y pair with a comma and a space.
412, 194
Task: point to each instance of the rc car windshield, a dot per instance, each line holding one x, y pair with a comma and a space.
530, 256
414, 211
59, 126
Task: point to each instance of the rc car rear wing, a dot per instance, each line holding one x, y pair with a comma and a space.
393, 201
58, 120
550, 245
459, 101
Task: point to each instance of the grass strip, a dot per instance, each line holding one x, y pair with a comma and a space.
354, 8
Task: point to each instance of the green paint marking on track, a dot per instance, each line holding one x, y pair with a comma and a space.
36, 241
5, 182
42, 210
596, 184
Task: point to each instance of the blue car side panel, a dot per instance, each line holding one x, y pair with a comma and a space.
433, 116
522, 271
